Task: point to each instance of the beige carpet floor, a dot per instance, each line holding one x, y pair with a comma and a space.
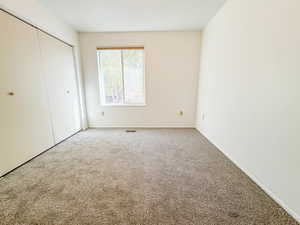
151, 177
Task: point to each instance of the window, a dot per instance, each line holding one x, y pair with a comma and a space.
121, 73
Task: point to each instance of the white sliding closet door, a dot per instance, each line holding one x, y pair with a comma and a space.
60, 77
25, 129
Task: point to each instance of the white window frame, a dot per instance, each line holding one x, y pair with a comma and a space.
101, 81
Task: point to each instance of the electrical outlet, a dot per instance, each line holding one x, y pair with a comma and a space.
180, 113
203, 116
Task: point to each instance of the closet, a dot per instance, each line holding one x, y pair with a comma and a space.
38, 93
60, 80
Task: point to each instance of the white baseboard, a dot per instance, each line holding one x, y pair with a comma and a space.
182, 127
120, 125
259, 183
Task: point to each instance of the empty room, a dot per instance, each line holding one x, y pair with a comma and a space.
162, 112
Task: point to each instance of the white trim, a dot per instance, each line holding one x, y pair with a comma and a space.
123, 105
259, 183
28, 21
120, 125
139, 126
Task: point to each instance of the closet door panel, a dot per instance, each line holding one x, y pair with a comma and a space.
60, 77
25, 129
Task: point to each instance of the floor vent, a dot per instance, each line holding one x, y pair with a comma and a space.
130, 131
233, 214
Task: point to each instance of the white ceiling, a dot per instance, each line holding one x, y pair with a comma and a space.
134, 15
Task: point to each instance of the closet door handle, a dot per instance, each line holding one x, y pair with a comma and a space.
68, 92
11, 93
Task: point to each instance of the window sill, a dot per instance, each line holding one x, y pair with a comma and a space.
124, 105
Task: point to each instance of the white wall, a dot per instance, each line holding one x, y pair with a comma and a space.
249, 92
33, 12
172, 67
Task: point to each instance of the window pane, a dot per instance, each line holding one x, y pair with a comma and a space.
133, 62
111, 76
